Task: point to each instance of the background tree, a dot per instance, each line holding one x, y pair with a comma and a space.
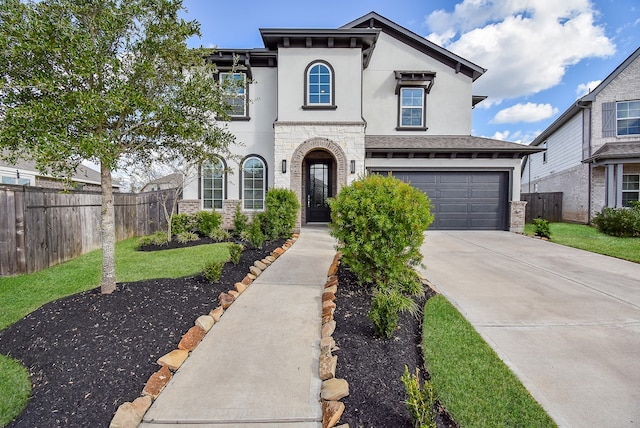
105, 80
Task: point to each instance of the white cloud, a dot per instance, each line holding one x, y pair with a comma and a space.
515, 137
526, 45
528, 112
584, 88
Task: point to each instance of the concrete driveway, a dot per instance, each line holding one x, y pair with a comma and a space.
566, 321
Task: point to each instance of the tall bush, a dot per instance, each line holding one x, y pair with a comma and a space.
207, 221
279, 217
379, 223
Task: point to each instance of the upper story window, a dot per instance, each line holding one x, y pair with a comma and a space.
628, 118
544, 154
235, 88
213, 184
319, 86
253, 183
412, 88
412, 107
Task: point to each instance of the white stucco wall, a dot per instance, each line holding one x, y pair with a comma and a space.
448, 104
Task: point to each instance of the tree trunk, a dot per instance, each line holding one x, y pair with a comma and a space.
108, 229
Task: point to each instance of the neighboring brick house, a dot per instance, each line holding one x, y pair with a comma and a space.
319, 108
593, 149
25, 173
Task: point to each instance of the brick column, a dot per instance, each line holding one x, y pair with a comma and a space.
517, 216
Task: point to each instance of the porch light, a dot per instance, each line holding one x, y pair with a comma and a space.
353, 167
284, 166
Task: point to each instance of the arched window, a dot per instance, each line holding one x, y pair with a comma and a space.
213, 184
253, 183
319, 84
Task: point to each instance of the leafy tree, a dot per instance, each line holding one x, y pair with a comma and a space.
110, 81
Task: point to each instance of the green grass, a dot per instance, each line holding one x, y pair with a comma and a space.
471, 381
20, 295
591, 239
15, 388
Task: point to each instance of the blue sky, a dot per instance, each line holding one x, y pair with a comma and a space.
541, 55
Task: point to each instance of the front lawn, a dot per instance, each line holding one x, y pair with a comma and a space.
469, 378
23, 294
591, 239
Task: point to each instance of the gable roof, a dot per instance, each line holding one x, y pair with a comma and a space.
374, 20
618, 150
585, 101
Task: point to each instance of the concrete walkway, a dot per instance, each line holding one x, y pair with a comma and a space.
566, 321
258, 366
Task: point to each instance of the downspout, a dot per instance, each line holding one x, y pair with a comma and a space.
586, 106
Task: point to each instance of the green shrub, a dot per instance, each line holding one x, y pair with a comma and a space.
254, 233
157, 238
280, 215
213, 270
182, 223
420, 400
219, 235
624, 222
386, 305
542, 227
240, 221
235, 251
207, 221
184, 237
379, 222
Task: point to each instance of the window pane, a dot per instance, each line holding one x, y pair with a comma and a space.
212, 185
253, 184
319, 85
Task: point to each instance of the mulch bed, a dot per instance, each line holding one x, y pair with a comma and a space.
373, 366
89, 353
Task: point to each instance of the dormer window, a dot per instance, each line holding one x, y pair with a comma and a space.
319, 86
412, 88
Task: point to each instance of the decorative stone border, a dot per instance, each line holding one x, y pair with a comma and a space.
333, 389
130, 414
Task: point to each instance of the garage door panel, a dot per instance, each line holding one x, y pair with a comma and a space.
463, 200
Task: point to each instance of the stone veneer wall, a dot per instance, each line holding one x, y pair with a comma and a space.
517, 216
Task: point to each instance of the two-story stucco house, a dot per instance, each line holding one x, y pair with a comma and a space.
593, 149
319, 108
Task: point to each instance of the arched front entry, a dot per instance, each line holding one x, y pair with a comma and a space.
318, 172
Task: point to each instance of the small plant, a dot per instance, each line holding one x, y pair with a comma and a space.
219, 235
386, 306
184, 237
542, 227
420, 401
213, 270
207, 221
157, 238
182, 223
235, 251
240, 221
622, 222
254, 233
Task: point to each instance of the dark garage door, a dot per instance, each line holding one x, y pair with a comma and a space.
463, 200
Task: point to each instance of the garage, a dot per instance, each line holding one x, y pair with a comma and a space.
463, 200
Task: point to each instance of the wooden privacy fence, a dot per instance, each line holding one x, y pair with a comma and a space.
544, 205
42, 227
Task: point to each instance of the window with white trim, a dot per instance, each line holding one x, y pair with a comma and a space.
253, 183
628, 118
630, 189
412, 107
14, 180
319, 85
213, 184
235, 89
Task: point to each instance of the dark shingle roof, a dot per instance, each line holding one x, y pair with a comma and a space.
625, 150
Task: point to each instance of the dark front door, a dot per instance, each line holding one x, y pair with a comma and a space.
318, 191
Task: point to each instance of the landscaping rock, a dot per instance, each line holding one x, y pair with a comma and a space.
331, 413
331, 281
142, 404
251, 276
191, 338
240, 287
328, 328
247, 280
126, 417
334, 389
174, 359
234, 293
157, 382
328, 304
328, 364
255, 271
225, 300
216, 313
205, 322
328, 295
259, 265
